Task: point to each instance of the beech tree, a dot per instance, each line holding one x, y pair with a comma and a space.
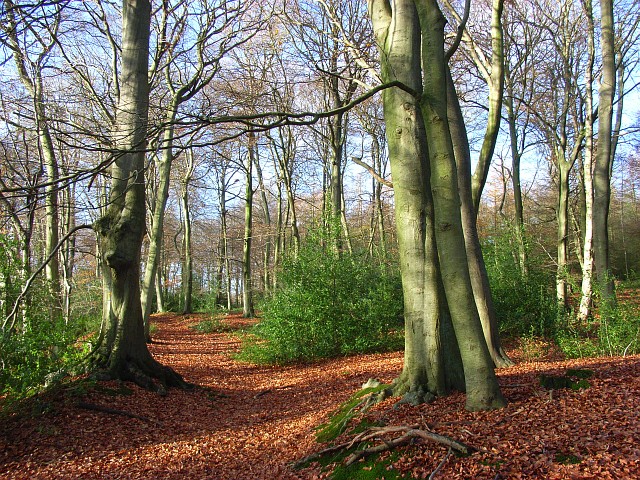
433, 259
603, 156
120, 350
470, 187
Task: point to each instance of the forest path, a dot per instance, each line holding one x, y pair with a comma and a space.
252, 422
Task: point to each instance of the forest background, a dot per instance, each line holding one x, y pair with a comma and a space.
266, 174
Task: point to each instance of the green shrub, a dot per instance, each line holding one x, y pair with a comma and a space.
35, 349
211, 325
32, 357
328, 305
525, 305
611, 334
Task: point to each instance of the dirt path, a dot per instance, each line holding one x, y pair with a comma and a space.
253, 422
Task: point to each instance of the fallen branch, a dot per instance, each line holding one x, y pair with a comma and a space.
269, 390
113, 411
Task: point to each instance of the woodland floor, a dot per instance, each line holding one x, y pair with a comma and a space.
255, 420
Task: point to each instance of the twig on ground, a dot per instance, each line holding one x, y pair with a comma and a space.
441, 464
269, 390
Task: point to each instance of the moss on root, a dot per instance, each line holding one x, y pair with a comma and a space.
357, 404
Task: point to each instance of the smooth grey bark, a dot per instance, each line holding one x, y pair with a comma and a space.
157, 221
187, 264
603, 157
398, 36
586, 299
69, 250
495, 81
562, 242
120, 350
159, 294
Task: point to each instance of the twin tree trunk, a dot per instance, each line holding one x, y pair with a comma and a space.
441, 316
121, 351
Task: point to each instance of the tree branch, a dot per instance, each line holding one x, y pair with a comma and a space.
463, 24
373, 173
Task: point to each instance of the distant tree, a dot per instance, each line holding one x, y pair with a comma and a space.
31, 35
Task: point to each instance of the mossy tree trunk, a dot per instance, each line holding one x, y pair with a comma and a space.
444, 343
121, 351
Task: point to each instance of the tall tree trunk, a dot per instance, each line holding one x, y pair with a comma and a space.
496, 89
285, 168
227, 260
187, 266
587, 257
120, 350
562, 216
477, 269
157, 220
247, 290
516, 157
69, 250
481, 384
267, 220
603, 159
159, 294
425, 372
279, 238
52, 270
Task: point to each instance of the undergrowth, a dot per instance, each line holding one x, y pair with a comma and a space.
328, 305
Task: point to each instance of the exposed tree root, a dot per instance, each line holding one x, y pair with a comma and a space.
146, 373
409, 433
501, 359
113, 411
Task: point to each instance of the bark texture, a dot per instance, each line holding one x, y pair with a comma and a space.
121, 351
444, 344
